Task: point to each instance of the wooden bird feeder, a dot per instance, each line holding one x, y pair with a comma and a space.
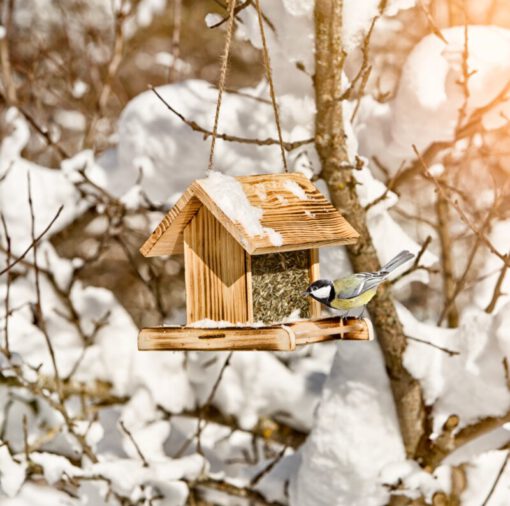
254, 280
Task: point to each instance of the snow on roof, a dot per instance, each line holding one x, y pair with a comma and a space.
264, 213
228, 194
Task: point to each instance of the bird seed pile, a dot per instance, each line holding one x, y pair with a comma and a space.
278, 281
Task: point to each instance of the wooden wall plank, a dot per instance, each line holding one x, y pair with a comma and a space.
315, 306
249, 288
215, 272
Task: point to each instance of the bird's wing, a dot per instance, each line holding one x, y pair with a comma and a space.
356, 284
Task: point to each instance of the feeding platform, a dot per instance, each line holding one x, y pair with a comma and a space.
251, 248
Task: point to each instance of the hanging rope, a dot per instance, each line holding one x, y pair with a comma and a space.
269, 76
223, 76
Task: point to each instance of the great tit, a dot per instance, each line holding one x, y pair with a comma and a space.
356, 290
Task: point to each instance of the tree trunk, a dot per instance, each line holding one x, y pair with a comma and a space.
338, 173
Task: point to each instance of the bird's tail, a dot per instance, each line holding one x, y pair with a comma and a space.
403, 257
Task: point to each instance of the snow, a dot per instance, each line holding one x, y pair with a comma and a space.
173, 157
50, 190
297, 190
12, 473
228, 194
80, 88
355, 434
481, 475
417, 482
54, 466
211, 19
168, 60
471, 384
250, 392
429, 86
338, 391
71, 120
358, 16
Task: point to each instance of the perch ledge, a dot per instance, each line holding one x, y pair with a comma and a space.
278, 337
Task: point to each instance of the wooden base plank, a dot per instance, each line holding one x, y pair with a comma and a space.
216, 339
328, 329
283, 337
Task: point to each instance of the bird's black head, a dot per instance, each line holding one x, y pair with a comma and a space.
321, 290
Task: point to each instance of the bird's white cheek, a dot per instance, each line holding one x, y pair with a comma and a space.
322, 293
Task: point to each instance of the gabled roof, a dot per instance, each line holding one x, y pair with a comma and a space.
285, 212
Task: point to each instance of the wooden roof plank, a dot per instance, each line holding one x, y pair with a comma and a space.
292, 207
167, 238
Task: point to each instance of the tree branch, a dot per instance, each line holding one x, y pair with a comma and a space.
332, 150
33, 243
289, 146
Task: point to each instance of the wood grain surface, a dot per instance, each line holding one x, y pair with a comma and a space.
276, 337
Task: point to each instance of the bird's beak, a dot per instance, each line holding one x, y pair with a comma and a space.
305, 293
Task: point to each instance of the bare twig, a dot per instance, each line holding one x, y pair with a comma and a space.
389, 186
44, 133
497, 293
33, 244
436, 453
134, 443
233, 91
465, 131
446, 439
503, 257
361, 90
210, 398
433, 26
461, 282
289, 146
428, 343
416, 264
496, 481
449, 283
466, 73
8, 287
364, 69
203, 410
113, 67
40, 321
237, 10
263, 472
255, 498
25, 438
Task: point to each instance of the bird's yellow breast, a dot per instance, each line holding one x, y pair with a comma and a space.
354, 302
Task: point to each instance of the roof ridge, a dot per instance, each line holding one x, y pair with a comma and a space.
294, 222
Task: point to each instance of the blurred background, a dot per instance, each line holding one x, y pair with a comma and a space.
86, 419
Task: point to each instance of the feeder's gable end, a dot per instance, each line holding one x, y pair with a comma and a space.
215, 272
292, 211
